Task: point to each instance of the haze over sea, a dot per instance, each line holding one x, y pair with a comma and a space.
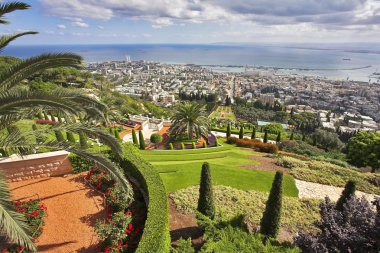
355, 62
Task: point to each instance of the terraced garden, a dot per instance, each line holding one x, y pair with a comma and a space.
223, 112
181, 168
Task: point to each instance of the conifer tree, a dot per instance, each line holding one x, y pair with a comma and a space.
141, 140
46, 116
70, 137
278, 137
241, 133
83, 140
265, 136
206, 198
39, 137
292, 136
270, 222
348, 192
59, 136
40, 116
228, 133
303, 137
253, 136
134, 138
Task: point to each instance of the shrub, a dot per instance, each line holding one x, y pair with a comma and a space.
301, 148
204, 144
83, 140
232, 140
45, 122
270, 223
116, 199
273, 128
193, 146
206, 197
265, 136
241, 133
247, 143
156, 138
278, 139
348, 192
228, 132
141, 140
184, 246
70, 137
182, 145
59, 136
171, 146
355, 229
81, 164
134, 137
253, 136
266, 148
100, 180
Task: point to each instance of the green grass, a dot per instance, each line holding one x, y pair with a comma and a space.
223, 110
180, 169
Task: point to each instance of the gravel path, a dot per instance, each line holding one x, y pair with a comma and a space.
72, 210
320, 191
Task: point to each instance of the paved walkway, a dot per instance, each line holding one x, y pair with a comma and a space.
72, 211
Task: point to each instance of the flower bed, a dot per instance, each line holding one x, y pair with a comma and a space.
122, 229
46, 122
35, 211
255, 144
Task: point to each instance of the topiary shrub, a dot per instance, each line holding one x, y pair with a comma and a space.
134, 138
59, 136
70, 137
228, 132
156, 139
348, 192
253, 136
266, 148
206, 198
171, 146
265, 140
182, 145
83, 140
241, 133
184, 246
270, 223
232, 140
193, 145
141, 141
204, 145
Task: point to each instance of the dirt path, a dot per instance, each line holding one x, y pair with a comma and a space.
184, 225
265, 163
72, 210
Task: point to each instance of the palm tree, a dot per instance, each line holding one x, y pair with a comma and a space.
17, 102
189, 118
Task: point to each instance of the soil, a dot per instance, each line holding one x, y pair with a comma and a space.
72, 211
185, 226
265, 163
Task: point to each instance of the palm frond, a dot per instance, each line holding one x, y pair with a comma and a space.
10, 7
17, 72
12, 223
6, 39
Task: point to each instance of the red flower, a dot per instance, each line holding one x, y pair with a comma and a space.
106, 250
35, 213
119, 244
130, 226
4, 251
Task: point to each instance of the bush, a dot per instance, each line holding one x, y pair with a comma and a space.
247, 143
270, 223
273, 128
266, 148
81, 164
134, 138
70, 137
204, 144
193, 146
155, 237
59, 136
156, 138
171, 146
83, 140
184, 246
301, 148
232, 140
206, 197
348, 192
100, 180
355, 229
182, 145
116, 199
141, 140
241, 133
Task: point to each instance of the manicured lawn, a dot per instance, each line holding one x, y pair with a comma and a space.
223, 112
180, 169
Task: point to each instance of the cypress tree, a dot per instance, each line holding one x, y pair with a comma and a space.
70, 137
46, 116
171, 146
303, 137
83, 140
59, 136
292, 136
228, 133
117, 135
52, 117
270, 222
266, 136
182, 145
39, 137
141, 140
253, 136
40, 116
348, 192
241, 133
193, 145
206, 198
278, 137
134, 138
59, 119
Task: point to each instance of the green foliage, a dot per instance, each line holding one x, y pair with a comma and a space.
116, 199
156, 138
270, 223
204, 144
141, 140
70, 137
134, 138
59, 136
171, 147
182, 145
253, 136
155, 238
363, 149
46, 116
291, 136
184, 246
193, 146
80, 164
348, 192
278, 139
241, 133
273, 128
228, 132
206, 198
323, 172
83, 140
297, 214
265, 140
327, 140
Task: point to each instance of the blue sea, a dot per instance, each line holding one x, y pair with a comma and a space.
333, 61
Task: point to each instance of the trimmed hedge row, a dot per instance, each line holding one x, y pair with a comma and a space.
156, 237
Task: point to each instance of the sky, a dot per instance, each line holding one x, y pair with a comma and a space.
197, 21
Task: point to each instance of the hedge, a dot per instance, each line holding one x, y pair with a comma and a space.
155, 237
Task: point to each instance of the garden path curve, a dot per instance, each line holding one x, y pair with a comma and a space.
72, 211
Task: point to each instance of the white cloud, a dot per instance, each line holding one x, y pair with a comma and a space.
79, 24
61, 26
100, 27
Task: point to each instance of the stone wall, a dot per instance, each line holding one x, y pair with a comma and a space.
36, 166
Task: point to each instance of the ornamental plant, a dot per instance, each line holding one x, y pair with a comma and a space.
253, 136
204, 144
270, 222
232, 140
83, 140
141, 141
171, 146
348, 192
100, 180
228, 132
156, 139
134, 137
182, 145
241, 133
116, 199
59, 136
206, 197
193, 145
70, 137
265, 136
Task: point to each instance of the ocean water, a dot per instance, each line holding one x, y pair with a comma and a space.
335, 63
